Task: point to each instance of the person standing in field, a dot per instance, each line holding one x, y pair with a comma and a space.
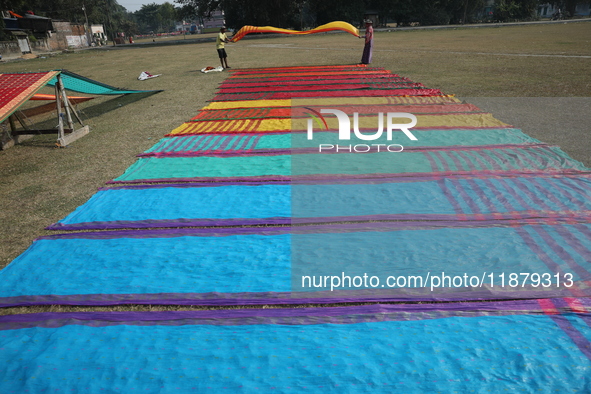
368, 48
220, 43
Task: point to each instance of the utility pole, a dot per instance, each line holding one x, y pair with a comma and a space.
87, 27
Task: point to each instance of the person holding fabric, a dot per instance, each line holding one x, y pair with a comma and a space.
368, 48
220, 43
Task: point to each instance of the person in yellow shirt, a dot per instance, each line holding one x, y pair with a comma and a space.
220, 43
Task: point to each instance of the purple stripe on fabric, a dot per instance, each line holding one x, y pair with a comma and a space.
254, 143
553, 156
382, 312
343, 178
175, 185
208, 142
442, 160
534, 182
488, 159
583, 230
197, 143
226, 153
454, 157
285, 221
527, 154
562, 253
197, 184
238, 142
575, 335
243, 142
172, 232
467, 199
570, 191
435, 177
467, 159
262, 178
472, 157
373, 149
499, 196
321, 228
519, 183
345, 296
450, 197
531, 157
586, 318
503, 160
226, 143
527, 238
122, 224
187, 143
434, 166
176, 145
481, 195
515, 195
181, 142
573, 242
581, 187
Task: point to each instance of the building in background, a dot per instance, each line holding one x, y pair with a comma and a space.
215, 21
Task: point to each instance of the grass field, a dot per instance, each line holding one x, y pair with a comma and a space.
40, 184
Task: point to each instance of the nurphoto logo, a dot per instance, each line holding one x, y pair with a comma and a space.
344, 131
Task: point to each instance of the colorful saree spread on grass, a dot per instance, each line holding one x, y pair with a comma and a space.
259, 265
282, 125
379, 349
519, 345
469, 198
344, 165
268, 143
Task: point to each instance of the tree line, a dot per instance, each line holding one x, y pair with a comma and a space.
296, 14
307, 13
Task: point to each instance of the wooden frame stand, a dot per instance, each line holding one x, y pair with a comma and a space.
66, 134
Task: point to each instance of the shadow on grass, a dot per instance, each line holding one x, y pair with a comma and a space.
110, 105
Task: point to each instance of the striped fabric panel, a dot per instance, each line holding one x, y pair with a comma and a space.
210, 143
562, 248
534, 158
314, 74
243, 96
352, 69
329, 93
238, 125
538, 196
322, 78
243, 113
322, 88
310, 82
395, 100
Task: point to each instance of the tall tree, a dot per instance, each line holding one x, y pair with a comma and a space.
515, 9
279, 13
149, 17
